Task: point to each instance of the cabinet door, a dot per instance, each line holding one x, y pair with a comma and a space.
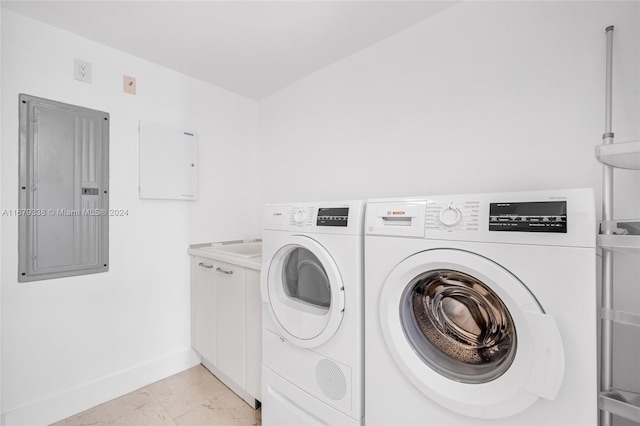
204, 306
254, 332
230, 309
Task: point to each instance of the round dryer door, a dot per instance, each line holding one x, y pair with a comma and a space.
469, 334
305, 291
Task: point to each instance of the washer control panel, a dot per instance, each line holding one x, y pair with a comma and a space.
452, 215
530, 216
563, 217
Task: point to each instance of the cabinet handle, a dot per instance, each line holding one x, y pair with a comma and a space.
224, 271
204, 265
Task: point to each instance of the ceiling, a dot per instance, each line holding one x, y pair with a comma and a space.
252, 48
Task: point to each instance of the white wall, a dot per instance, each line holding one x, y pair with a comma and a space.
70, 343
485, 96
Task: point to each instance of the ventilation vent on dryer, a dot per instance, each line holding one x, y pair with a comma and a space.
331, 379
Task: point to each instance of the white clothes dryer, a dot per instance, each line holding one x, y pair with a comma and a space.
311, 287
481, 309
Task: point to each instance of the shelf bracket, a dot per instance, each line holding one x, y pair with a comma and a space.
620, 317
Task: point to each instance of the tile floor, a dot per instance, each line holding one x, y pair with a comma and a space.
193, 397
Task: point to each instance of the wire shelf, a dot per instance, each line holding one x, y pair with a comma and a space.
623, 404
620, 243
623, 155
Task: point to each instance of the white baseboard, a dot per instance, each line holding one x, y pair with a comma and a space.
68, 403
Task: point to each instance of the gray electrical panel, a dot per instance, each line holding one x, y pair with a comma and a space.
64, 190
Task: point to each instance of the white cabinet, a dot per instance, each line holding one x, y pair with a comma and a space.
203, 293
226, 319
230, 322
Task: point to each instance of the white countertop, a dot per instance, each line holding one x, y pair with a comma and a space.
246, 253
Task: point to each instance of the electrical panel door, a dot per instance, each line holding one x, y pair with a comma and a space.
64, 190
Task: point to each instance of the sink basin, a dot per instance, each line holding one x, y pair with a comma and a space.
240, 249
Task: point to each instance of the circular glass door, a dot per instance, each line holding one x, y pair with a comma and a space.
458, 326
469, 334
305, 280
305, 290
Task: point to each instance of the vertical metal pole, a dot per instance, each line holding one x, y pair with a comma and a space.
606, 367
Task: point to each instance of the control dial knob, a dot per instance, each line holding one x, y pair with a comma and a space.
299, 216
450, 216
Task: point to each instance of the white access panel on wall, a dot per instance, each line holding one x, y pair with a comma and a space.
168, 162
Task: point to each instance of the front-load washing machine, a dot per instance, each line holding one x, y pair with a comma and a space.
481, 309
311, 287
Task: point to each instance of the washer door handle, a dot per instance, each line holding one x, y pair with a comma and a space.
548, 356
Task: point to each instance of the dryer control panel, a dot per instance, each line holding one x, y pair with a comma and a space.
333, 216
341, 217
